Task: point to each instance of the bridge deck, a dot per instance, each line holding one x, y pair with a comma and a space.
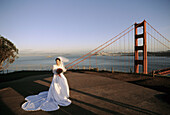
90, 94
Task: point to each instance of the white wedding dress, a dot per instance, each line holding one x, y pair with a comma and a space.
50, 100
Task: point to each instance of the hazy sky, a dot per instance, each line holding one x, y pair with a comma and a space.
76, 25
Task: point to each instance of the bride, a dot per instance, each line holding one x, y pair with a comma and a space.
56, 96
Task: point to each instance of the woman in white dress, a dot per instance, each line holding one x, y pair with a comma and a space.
56, 96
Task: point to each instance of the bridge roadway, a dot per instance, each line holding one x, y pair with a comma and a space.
90, 94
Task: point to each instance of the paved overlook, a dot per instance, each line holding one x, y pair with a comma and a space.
90, 94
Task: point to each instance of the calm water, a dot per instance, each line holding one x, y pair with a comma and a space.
118, 63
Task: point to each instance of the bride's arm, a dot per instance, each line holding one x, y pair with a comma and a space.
54, 70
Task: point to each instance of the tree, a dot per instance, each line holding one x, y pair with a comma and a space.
8, 53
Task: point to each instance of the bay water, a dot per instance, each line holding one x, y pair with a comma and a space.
117, 63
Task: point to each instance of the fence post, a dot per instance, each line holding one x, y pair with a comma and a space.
112, 70
153, 73
130, 70
97, 69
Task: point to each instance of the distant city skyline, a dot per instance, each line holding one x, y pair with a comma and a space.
75, 26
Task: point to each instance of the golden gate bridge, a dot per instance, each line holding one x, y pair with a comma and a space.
136, 49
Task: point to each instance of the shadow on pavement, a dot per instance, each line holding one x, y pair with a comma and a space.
144, 111
30, 88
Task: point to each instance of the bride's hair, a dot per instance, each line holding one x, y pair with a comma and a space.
57, 59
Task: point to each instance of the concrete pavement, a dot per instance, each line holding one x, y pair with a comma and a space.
90, 94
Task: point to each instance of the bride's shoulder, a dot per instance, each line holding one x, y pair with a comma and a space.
56, 66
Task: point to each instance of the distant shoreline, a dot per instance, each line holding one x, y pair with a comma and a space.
161, 53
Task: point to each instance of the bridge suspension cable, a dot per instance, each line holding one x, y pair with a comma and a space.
99, 46
158, 40
118, 49
157, 32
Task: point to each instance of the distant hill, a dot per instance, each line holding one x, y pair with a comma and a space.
162, 53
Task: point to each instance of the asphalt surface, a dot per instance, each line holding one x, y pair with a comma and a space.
90, 94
